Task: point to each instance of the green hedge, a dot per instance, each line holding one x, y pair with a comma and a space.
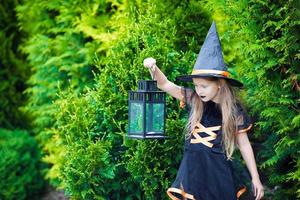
20, 167
13, 70
265, 35
81, 120
85, 165
151, 164
62, 39
53, 57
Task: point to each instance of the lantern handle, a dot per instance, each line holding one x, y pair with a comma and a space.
152, 70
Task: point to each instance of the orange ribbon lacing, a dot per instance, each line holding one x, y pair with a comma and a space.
204, 140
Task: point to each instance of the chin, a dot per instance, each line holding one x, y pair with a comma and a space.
205, 100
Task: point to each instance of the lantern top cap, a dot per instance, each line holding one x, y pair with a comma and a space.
147, 85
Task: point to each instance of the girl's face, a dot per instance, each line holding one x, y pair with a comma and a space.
207, 89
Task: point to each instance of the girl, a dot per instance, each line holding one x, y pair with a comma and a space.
217, 124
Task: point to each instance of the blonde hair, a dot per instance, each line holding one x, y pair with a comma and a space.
228, 108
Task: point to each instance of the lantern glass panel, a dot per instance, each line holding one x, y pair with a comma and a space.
136, 118
155, 117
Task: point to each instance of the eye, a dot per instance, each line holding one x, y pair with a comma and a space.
200, 85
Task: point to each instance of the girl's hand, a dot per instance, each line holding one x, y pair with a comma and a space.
258, 189
150, 63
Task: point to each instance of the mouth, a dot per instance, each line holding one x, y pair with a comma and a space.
202, 97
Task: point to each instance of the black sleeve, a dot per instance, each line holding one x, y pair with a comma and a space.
244, 123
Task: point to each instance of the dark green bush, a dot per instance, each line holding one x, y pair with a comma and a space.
83, 136
13, 71
62, 39
83, 160
20, 166
162, 30
265, 36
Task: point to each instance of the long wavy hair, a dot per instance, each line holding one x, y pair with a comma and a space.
227, 104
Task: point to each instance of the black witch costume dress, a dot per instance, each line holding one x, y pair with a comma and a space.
204, 172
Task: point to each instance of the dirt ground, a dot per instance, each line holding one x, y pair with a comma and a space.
52, 194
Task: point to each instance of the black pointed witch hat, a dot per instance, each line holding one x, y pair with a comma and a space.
210, 62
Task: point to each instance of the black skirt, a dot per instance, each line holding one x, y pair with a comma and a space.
204, 172
205, 175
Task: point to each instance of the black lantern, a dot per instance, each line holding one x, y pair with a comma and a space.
147, 111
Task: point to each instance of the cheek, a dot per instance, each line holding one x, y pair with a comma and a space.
212, 91
197, 90
216, 92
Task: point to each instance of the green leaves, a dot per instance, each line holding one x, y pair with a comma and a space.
20, 167
267, 66
13, 71
85, 56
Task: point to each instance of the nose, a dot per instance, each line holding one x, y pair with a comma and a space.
200, 93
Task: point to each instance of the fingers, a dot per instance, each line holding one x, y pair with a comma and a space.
258, 189
149, 62
258, 193
254, 190
257, 197
261, 193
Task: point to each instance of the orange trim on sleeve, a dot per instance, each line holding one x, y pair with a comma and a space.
182, 103
246, 129
181, 192
182, 100
241, 191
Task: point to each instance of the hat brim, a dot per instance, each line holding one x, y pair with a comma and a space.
189, 78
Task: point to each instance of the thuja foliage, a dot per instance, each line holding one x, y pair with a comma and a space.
266, 35
81, 157
83, 136
20, 167
81, 122
62, 39
60, 47
162, 30
132, 170
13, 71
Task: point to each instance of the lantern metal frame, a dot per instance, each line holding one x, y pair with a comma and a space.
147, 93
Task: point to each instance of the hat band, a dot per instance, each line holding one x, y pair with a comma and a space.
210, 71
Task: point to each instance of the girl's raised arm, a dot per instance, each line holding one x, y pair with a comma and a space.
162, 82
